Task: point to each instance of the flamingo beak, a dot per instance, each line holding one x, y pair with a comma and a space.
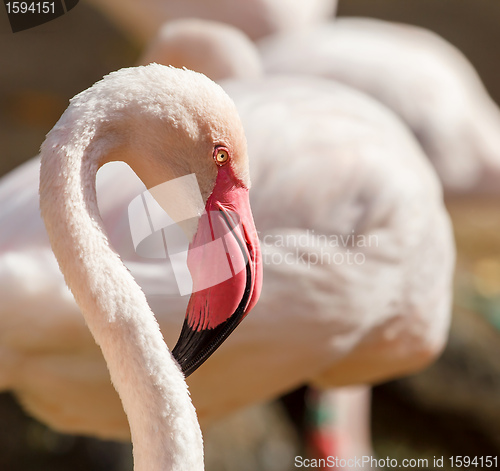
225, 263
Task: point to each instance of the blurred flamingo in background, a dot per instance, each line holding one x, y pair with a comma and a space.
257, 18
439, 95
417, 74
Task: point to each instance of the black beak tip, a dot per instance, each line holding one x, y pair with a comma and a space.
187, 350
194, 347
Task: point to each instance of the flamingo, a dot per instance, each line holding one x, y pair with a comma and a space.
421, 77
436, 91
150, 117
257, 18
218, 50
329, 324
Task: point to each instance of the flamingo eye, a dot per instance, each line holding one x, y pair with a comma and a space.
221, 156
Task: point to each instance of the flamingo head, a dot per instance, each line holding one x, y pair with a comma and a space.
189, 126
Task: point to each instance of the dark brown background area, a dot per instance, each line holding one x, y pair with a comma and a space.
471, 25
42, 68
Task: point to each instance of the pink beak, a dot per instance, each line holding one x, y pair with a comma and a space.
226, 267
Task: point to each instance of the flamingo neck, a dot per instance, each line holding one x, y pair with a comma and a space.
163, 423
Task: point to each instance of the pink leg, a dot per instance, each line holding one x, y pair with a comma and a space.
339, 424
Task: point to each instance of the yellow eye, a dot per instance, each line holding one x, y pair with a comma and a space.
221, 156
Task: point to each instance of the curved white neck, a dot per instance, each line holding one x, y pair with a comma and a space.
164, 427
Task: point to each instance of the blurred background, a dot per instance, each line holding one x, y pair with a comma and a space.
453, 408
